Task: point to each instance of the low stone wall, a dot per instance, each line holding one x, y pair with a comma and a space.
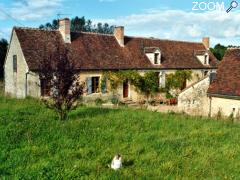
194, 100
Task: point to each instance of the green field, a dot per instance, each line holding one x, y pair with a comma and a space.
35, 145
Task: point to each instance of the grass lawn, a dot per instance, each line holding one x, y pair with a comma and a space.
35, 145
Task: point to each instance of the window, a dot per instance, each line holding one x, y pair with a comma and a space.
206, 59
205, 73
14, 63
156, 57
95, 84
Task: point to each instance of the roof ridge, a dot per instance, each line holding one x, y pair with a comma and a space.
31, 28
233, 48
153, 38
95, 33
105, 34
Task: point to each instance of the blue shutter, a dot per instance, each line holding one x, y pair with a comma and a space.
104, 85
89, 85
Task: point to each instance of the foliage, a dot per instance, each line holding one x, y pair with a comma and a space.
146, 84
115, 100
54, 25
58, 71
34, 145
238, 115
3, 52
81, 24
231, 117
219, 114
99, 101
219, 51
177, 80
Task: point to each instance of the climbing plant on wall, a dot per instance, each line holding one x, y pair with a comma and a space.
146, 84
177, 80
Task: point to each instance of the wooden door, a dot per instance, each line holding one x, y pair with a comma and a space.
125, 89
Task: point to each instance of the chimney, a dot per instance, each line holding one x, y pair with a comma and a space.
64, 28
119, 35
206, 42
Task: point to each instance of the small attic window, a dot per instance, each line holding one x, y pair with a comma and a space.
202, 56
206, 59
153, 54
156, 58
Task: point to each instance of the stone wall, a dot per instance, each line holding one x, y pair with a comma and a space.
194, 100
33, 85
15, 82
225, 107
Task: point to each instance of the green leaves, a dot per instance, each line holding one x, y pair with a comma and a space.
146, 84
178, 79
219, 51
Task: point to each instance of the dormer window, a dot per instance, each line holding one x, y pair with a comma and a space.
153, 54
156, 58
203, 57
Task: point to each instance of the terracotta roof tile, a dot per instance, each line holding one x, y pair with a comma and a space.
228, 75
95, 51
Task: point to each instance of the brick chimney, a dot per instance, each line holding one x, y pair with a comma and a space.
64, 28
119, 35
206, 42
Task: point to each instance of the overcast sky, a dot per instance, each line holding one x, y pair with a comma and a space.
165, 19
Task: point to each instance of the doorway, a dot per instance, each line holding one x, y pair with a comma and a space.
125, 89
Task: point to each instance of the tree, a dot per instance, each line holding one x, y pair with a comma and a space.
81, 24
54, 25
59, 72
3, 52
219, 51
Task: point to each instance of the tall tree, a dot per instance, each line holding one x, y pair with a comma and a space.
3, 52
81, 24
219, 51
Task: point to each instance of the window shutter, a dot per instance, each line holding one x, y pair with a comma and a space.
89, 85
104, 85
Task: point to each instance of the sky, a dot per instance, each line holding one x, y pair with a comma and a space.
187, 20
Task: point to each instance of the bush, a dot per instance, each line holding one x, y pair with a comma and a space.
99, 101
231, 117
219, 115
153, 102
115, 100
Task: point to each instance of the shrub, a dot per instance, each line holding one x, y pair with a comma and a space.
99, 101
58, 76
115, 100
231, 117
238, 115
219, 115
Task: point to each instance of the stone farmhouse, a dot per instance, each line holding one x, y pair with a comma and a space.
96, 53
218, 93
